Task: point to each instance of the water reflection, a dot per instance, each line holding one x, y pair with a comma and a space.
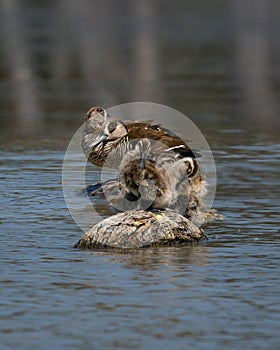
180, 258
214, 63
18, 69
253, 61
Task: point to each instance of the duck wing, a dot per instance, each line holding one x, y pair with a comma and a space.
137, 130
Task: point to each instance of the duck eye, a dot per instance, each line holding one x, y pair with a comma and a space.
112, 126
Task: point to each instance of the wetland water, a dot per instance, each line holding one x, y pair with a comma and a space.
215, 61
221, 293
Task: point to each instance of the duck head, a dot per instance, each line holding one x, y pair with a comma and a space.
102, 127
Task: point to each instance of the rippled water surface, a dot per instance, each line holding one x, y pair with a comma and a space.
218, 294
216, 62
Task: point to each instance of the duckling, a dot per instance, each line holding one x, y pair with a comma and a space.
148, 183
143, 180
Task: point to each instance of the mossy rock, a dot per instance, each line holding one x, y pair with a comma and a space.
139, 229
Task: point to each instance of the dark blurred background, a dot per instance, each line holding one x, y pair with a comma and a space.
216, 61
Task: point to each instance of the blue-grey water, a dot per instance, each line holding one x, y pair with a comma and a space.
218, 63
221, 293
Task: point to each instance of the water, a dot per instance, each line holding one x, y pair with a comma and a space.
221, 293
218, 63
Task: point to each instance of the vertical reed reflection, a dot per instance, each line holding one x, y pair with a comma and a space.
253, 53
146, 52
87, 44
112, 52
17, 51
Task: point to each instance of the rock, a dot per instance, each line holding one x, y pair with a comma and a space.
139, 228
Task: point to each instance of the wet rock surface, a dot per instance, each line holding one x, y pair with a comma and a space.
139, 228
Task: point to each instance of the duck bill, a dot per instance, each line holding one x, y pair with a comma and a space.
100, 138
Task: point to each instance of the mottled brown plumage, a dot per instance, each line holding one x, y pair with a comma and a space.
107, 140
157, 170
143, 179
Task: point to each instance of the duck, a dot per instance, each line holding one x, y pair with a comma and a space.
156, 169
105, 140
